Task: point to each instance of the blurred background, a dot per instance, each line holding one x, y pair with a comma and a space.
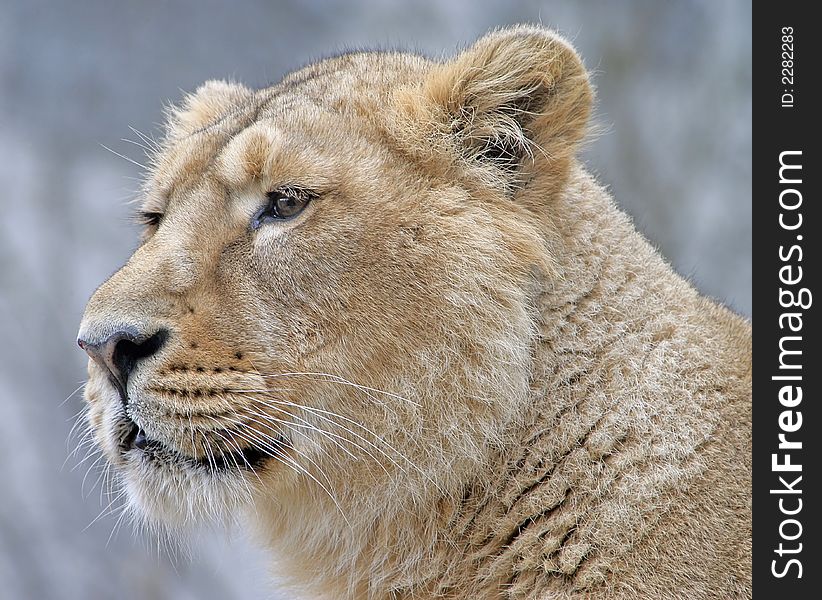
674, 108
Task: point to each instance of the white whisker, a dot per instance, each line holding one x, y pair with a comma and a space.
80, 387
155, 146
321, 414
124, 157
342, 380
270, 443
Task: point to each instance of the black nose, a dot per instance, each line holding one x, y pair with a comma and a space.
120, 353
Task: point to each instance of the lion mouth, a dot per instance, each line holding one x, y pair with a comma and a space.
247, 459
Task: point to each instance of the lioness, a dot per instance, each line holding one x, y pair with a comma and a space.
382, 312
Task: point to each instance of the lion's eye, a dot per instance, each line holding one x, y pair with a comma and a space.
282, 205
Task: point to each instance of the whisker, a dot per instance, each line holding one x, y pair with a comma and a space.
124, 157
86, 441
91, 452
271, 443
123, 511
146, 150
212, 463
83, 483
80, 387
83, 410
326, 414
193, 444
341, 380
155, 146
99, 479
305, 425
320, 413
232, 455
278, 453
80, 420
291, 462
106, 484
310, 409
106, 510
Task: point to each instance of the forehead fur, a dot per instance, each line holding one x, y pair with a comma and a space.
210, 102
243, 134
267, 154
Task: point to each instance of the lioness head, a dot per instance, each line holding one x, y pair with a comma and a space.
334, 298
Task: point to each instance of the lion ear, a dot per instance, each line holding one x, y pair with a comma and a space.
211, 100
516, 94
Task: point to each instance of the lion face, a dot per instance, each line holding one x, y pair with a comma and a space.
334, 286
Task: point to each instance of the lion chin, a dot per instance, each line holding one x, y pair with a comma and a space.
381, 314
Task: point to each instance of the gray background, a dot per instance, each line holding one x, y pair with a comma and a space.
674, 108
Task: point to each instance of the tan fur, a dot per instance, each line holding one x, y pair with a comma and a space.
491, 386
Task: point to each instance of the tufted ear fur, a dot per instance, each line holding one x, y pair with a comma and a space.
204, 106
517, 96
